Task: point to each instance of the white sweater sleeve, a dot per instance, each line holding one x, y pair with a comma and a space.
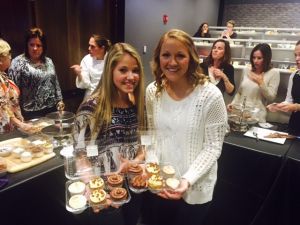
269, 89
85, 82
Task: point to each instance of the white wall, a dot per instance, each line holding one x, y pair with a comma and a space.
144, 26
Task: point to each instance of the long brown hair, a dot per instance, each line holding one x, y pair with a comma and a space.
106, 90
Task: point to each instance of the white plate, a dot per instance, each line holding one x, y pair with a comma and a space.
265, 125
261, 133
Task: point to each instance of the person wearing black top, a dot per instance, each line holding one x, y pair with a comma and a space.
292, 100
203, 31
229, 33
217, 66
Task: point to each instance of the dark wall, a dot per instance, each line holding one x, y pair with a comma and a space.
270, 13
14, 19
67, 24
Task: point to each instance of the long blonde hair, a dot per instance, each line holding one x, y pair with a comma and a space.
106, 91
194, 73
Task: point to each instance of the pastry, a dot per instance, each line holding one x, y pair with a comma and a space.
118, 194
98, 196
17, 152
5, 151
172, 183
26, 156
77, 187
168, 171
115, 180
280, 135
97, 182
37, 151
135, 168
155, 182
77, 201
138, 182
152, 168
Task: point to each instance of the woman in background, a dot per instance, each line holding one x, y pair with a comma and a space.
217, 66
292, 100
229, 32
35, 75
259, 83
203, 31
190, 113
91, 67
10, 113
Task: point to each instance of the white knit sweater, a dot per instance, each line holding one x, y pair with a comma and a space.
190, 133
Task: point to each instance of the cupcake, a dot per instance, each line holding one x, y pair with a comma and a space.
115, 180
118, 194
96, 183
138, 182
98, 196
135, 169
152, 168
36, 151
5, 151
168, 171
77, 201
77, 187
155, 182
172, 183
16, 153
26, 156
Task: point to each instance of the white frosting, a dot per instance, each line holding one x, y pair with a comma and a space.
77, 187
26, 156
172, 183
169, 170
77, 201
17, 152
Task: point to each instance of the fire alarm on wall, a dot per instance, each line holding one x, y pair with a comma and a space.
165, 19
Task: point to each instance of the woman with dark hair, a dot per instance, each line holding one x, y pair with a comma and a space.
259, 83
35, 75
292, 100
203, 31
91, 67
217, 66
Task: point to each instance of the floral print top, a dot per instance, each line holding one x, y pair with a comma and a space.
118, 139
9, 103
38, 83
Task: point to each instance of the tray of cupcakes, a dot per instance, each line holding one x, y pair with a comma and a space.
152, 176
161, 176
97, 191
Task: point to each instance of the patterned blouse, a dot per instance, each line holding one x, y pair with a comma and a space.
38, 83
9, 103
118, 139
